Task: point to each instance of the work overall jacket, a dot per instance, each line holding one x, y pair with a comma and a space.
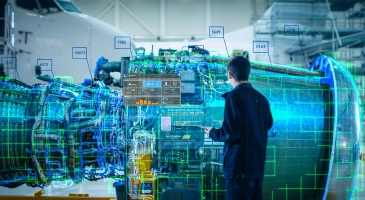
247, 120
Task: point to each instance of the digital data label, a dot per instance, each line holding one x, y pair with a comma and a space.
152, 90
122, 42
79, 52
260, 46
216, 31
9, 62
45, 64
291, 30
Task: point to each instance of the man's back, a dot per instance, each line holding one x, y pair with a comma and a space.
256, 121
247, 120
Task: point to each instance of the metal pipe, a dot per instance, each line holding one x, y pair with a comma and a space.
123, 69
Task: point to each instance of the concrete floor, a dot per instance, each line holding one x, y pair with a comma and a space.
104, 188
101, 188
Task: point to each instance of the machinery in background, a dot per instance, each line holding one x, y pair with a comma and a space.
39, 32
240, 52
58, 134
147, 136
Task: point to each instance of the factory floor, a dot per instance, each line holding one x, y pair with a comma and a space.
104, 188
359, 189
101, 188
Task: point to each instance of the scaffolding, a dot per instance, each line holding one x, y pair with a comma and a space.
336, 29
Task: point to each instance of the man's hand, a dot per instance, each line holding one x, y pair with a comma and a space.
207, 129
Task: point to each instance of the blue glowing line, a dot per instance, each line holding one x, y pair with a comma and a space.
91, 76
226, 46
305, 60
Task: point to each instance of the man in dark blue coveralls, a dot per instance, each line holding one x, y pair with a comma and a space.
247, 120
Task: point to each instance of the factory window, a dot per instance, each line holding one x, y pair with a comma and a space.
49, 6
29, 5
68, 6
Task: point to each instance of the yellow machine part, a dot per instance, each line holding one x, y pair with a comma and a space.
143, 164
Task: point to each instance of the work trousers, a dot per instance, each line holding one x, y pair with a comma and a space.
244, 189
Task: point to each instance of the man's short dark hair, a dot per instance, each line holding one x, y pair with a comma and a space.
239, 67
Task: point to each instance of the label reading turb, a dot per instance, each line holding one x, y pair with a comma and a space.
79, 52
216, 31
122, 42
260, 46
291, 30
45, 64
